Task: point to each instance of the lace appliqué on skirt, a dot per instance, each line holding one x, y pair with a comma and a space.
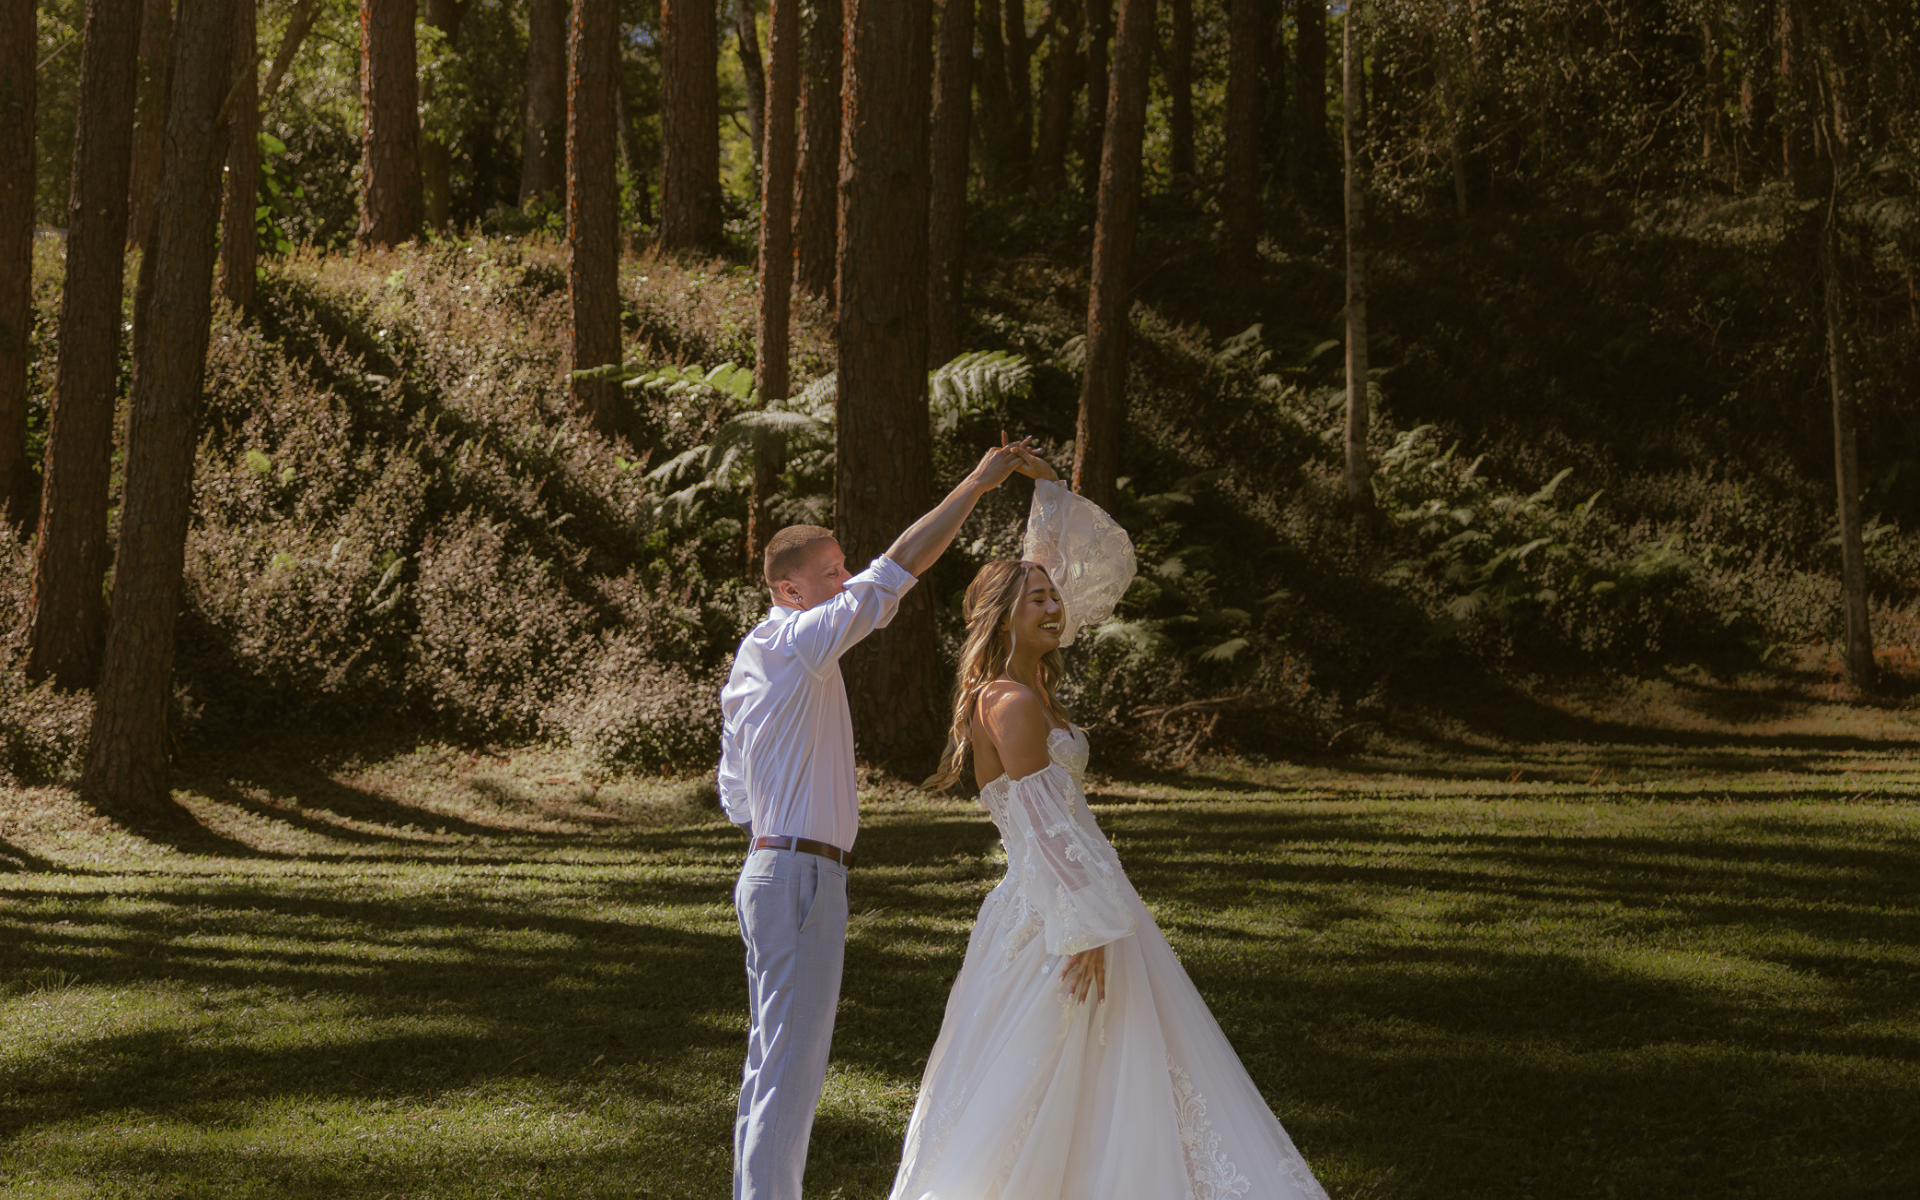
1213, 1174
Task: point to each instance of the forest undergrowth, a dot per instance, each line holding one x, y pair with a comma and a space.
1582, 476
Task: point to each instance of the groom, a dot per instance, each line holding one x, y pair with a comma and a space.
786, 775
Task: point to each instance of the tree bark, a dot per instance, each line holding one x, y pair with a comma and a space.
816, 200
436, 157
1276, 96
1180, 91
996, 98
1242, 148
543, 150
18, 41
1456, 118
593, 206
149, 119
771, 372
1309, 89
883, 442
1019, 91
1353, 124
298, 26
1099, 34
1756, 93
389, 125
239, 237
1064, 67
1103, 386
1846, 471
67, 613
125, 773
689, 125
754, 73
947, 188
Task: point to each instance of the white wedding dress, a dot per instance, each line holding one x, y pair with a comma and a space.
1029, 1095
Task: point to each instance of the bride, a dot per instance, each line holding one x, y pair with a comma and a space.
1076, 1059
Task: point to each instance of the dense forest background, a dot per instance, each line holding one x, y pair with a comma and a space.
1621, 270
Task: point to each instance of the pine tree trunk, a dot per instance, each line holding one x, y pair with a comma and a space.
996, 97
125, 773
239, 237
947, 189
1019, 92
883, 442
1103, 386
1846, 470
593, 206
1756, 94
689, 125
1276, 96
771, 371
389, 125
1359, 476
638, 162
816, 199
543, 151
1456, 121
1309, 89
149, 118
1242, 148
436, 157
18, 42
1180, 91
754, 74
298, 24
1099, 36
67, 613
1064, 66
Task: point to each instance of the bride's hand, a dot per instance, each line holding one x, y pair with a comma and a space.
1030, 464
1086, 974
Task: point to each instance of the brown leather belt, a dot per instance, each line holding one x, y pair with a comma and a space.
804, 846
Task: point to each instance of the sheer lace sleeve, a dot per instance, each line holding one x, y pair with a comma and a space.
1085, 551
1069, 874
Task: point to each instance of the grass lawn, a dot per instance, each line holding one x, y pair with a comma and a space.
1683, 970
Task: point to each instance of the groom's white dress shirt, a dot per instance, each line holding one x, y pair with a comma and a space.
786, 741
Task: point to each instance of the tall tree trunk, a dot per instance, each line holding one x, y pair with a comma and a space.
689, 125
239, 237
1242, 148
1756, 92
1353, 127
67, 614
593, 206
1063, 83
1019, 91
389, 125
1309, 89
1099, 35
996, 96
150, 118
298, 25
883, 442
816, 198
1276, 97
754, 73
543, 150
436, 157
638, 162
18, 41
771, 372
1846, 470
1180, 91
125, 772
947, 190
1713, 124
1103, 386
1456, 118
1798, 129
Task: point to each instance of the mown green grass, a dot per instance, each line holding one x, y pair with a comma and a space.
1574, 971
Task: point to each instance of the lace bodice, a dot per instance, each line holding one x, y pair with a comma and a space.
1060, 867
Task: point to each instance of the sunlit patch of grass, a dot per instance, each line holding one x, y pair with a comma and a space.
431, 971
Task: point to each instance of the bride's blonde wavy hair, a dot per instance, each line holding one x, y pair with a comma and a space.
984, 655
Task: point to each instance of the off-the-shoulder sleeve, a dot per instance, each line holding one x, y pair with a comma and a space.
1070, 873
1086, 552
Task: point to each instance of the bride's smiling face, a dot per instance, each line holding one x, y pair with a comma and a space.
1039, 618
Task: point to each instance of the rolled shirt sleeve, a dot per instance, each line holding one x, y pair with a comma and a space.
867, 602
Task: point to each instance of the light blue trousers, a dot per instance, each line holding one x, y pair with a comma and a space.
793, 917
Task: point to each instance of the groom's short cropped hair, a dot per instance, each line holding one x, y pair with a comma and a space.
787, 552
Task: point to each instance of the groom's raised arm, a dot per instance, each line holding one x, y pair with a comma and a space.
924, 541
